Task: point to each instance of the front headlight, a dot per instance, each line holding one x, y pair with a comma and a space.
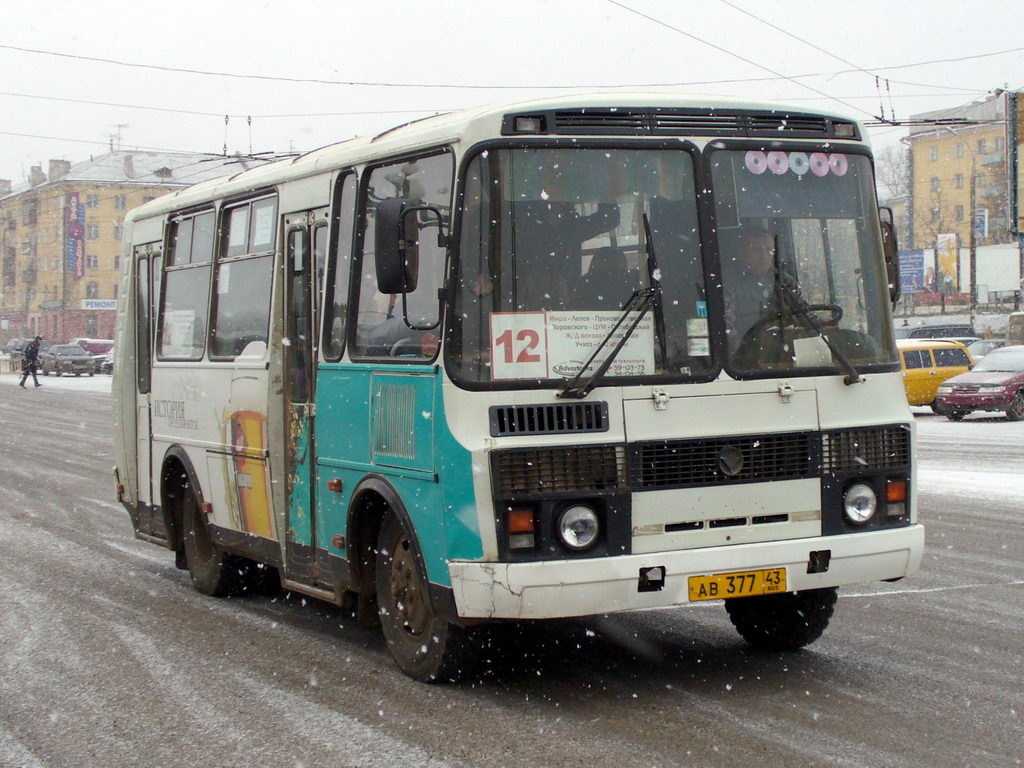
990, 387
578, 527
945, 387
859, 503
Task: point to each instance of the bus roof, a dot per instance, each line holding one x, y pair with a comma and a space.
446, 128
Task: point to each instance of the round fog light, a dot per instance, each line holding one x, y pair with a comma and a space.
578, 527
859, 503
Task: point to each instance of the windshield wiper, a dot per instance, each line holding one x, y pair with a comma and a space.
639, 302
789, 294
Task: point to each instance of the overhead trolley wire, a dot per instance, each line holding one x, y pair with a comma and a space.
382, 84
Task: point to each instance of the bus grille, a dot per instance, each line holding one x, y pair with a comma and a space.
576, 469
856, 450
548, 419
681, 463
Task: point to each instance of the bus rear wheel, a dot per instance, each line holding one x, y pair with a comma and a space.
212, 570
425, 646
785, 622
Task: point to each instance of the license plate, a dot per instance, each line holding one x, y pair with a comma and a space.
740, 584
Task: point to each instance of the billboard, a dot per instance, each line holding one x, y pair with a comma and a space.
912, 271
74, 236
947, 263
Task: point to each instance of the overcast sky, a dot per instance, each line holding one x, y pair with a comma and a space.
507, 50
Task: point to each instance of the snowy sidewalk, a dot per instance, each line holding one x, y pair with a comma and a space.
98, 383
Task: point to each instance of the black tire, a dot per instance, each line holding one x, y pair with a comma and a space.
425, 646
785, 622
213, 571
937, 409
956, 414
91, 373
58, 372
1016, 410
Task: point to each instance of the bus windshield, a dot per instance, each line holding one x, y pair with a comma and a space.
553, 246
798, 236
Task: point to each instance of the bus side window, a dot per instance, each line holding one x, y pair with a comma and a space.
381, 329
185, 303
142, 319
243, 278
338, 271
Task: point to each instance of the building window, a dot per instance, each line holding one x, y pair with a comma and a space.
959, 213
120, 202
999, 144
92, 201
117, 261
982, 146
117, 231
92, 291
93, 232
935, 183
92, 261
959, 150
935, 214
958, 181
148, 199
933, 153
92, 326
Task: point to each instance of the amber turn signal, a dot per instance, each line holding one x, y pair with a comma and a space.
895, 490
520, 520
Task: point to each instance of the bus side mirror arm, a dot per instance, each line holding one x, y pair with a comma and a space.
890, 252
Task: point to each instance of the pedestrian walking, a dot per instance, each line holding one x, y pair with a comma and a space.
30, 361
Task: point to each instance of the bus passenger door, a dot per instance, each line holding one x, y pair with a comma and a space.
304, 233
147, 262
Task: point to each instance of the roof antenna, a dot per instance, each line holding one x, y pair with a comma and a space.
881, 104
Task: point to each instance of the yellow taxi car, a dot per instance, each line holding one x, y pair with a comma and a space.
927, 363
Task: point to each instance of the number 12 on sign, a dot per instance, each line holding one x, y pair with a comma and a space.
518, 345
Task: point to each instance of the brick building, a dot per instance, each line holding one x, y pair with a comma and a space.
60, 237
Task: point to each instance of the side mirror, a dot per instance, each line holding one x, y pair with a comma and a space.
890, 252
397, 259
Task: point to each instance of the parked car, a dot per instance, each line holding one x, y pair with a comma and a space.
936, 331
927, 363
66, 358
982, 347
13, 347
995, 384
106, 363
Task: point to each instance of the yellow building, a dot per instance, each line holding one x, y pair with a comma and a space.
60, 237
945, 158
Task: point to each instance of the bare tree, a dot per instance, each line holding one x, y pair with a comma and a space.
893, 172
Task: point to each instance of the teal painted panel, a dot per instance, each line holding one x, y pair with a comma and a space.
443, 512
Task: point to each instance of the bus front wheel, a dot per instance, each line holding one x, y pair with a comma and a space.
785, 622
425, 646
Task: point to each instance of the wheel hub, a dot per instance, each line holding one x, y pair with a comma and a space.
407, 591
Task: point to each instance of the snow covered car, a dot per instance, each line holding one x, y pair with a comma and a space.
995, 384
66, 358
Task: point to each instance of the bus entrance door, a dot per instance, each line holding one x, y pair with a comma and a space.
306, 238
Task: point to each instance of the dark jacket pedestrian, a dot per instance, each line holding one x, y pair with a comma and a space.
30, 361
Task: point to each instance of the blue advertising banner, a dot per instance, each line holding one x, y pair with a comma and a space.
912, 271
74, 236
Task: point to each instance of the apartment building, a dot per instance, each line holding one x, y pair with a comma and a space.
60, 236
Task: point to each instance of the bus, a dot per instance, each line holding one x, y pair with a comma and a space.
549, 359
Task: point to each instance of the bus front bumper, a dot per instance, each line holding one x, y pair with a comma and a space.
562, 588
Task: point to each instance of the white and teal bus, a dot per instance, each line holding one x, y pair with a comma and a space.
547, 359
